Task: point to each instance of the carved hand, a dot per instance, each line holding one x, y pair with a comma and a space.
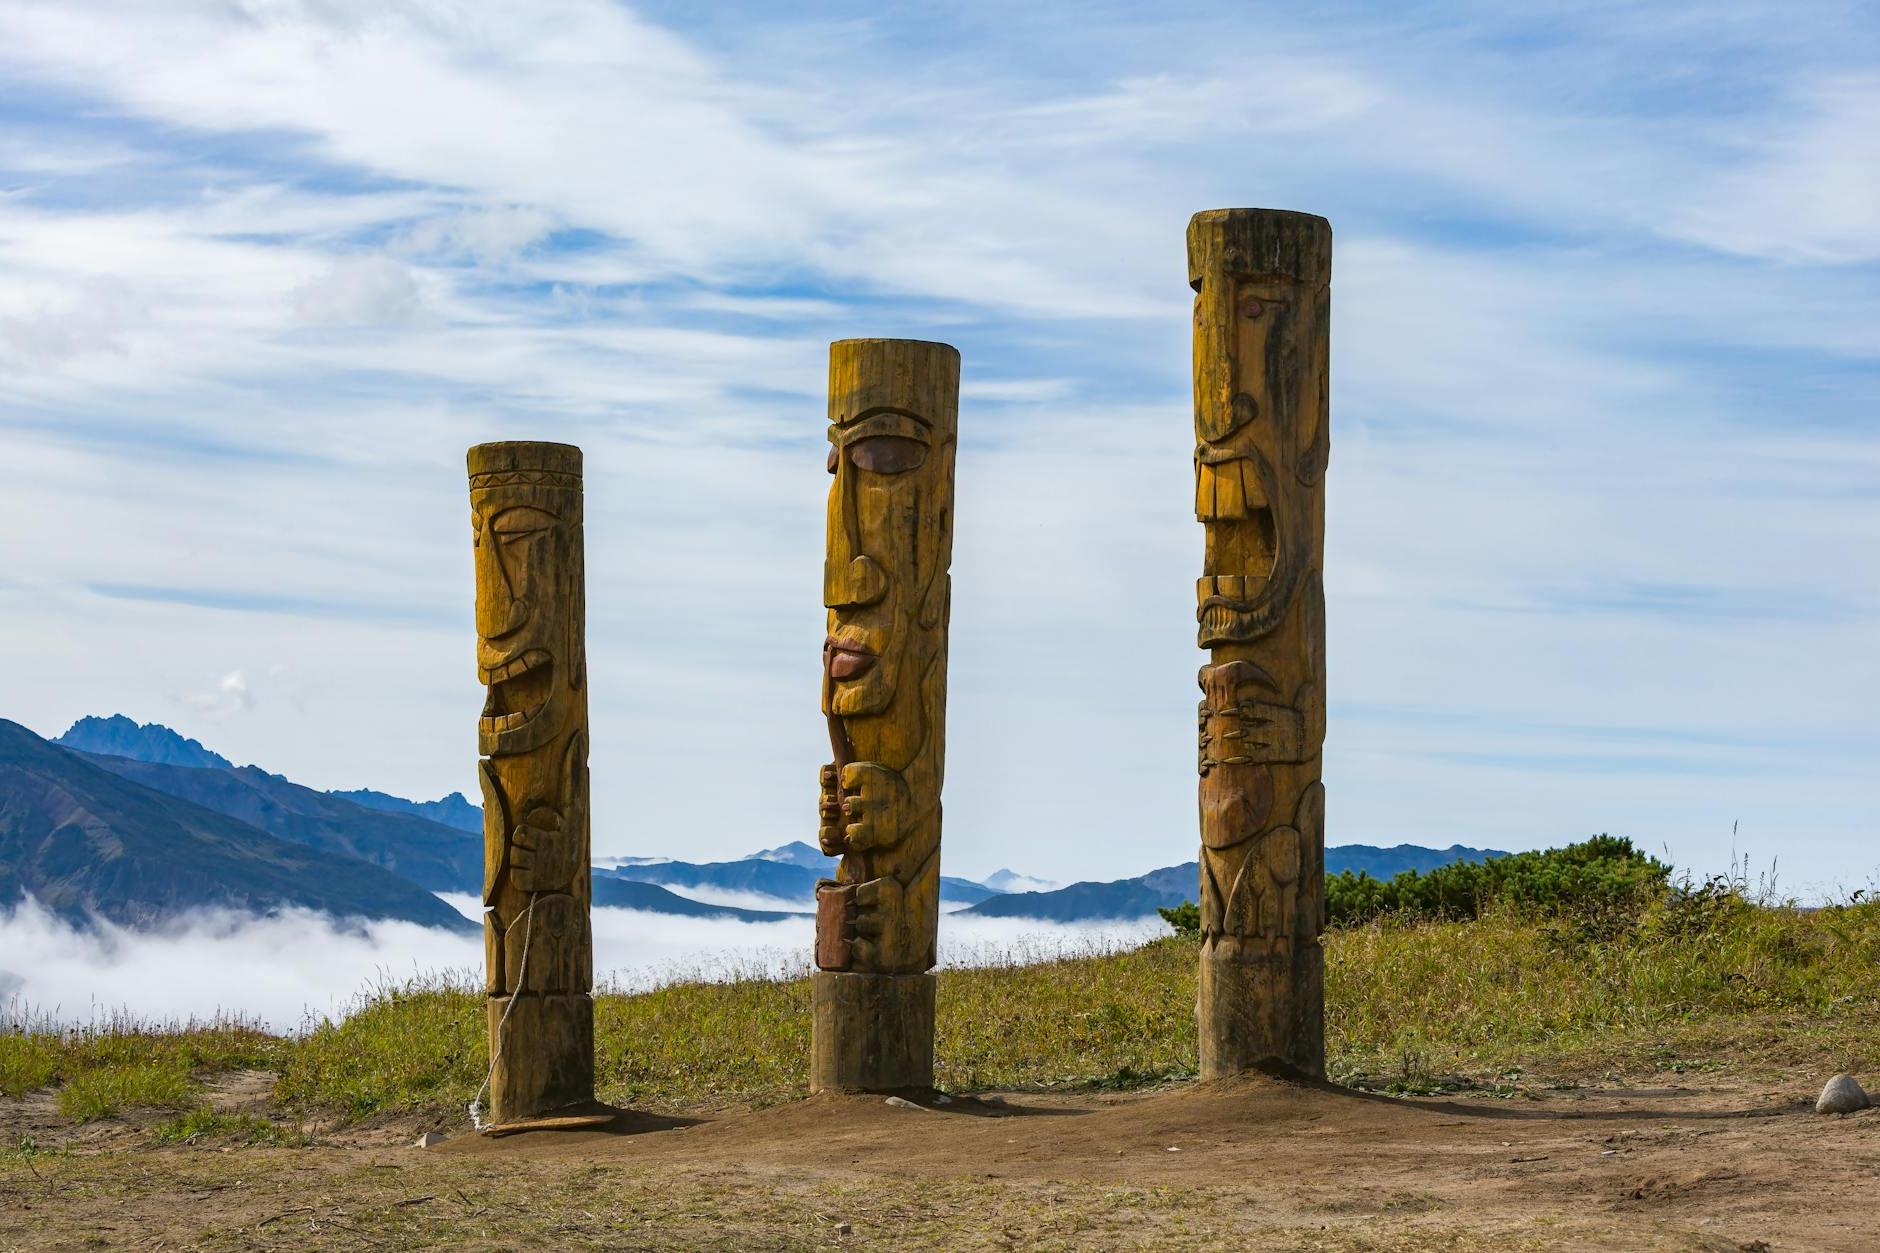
884, 934
544, 858
876, 807
829, 833
548, 847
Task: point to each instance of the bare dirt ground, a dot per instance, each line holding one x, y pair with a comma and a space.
1251, 1163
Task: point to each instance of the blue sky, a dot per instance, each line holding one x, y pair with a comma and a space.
1604, 502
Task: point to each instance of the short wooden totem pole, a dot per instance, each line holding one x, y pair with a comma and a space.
893, 420
1262, 320
525, 503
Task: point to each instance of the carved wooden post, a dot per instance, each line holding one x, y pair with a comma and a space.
1262, 322
894, 416
525, 503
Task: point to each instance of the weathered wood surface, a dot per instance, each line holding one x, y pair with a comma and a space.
871, 1032
1262, 324
525, 504
893, 415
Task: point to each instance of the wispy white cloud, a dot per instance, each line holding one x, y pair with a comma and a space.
1806, 185
361, 291
230, 694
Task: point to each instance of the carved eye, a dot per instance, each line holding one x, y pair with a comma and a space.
521, 520
834, 457
888, 454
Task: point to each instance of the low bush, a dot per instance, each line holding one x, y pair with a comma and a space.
1602, 880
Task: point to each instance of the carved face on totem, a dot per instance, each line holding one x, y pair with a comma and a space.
528, 652
1259, 453
886, 590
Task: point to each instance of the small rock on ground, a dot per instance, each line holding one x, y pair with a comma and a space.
903, 1103
1842, 1095
426, 1140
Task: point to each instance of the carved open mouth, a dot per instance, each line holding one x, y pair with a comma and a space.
1237, 607
1222, 595
847, 659
518, 691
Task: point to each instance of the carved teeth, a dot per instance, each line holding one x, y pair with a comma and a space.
497, 723
1218, 620
1230, 591
520, 664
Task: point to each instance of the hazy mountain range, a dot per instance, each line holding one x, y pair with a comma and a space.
1144, 894
137, 824
86, 842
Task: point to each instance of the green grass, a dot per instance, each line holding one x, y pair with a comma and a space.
1701, 980
203, 1124
1032, 1021
1771, 987
36, 1053
107, 1090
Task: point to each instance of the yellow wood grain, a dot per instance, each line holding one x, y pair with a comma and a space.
526, 515
1261, 341
893, 427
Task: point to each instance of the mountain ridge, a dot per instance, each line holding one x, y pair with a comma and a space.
437, 844
85, 842
119, 736
429, 854
452, 810
1120, 900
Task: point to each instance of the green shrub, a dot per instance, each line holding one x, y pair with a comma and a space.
1185, 918
1602, 881
1597, 878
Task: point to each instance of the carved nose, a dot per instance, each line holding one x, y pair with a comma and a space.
499, 618
860, 582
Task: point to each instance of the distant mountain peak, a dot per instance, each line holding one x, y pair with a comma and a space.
1012, 881
795, 853
452, 810
87, 839
118, 736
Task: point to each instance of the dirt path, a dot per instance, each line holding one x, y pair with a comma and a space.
1248, 1163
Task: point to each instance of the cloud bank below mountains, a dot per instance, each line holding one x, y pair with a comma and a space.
287, 969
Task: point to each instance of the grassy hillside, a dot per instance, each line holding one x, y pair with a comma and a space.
1698, 980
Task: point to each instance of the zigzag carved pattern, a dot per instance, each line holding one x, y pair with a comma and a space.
524, 478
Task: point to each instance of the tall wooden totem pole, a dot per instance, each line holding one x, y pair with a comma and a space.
1262, 321
893, 421
525, 503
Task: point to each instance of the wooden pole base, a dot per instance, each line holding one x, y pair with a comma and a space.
547, 1061
870, 1032
1261, 1011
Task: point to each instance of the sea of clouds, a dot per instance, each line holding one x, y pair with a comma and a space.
289, 969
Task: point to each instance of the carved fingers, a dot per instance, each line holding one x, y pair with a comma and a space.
876, 806
544, 853
545, 848
829, 810
881, 928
